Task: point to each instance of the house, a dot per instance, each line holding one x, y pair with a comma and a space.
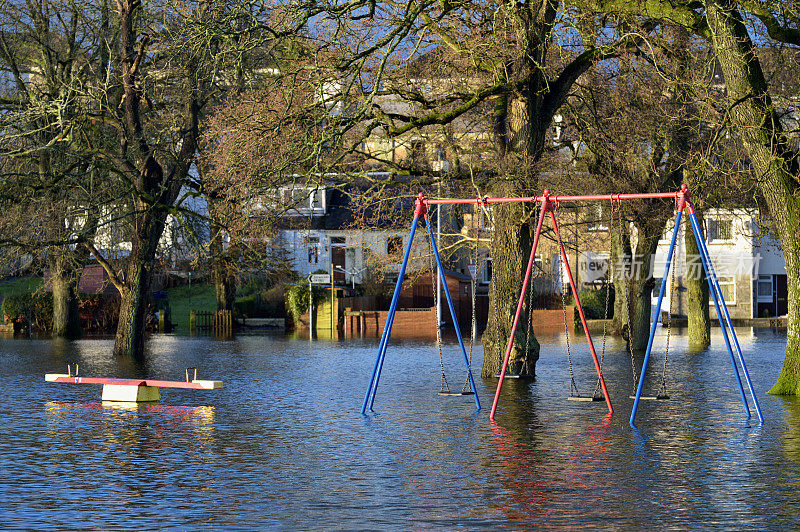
324, 228
747, 259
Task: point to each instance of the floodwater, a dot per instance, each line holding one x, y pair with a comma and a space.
283, 445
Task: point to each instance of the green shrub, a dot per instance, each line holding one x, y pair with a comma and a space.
297, 299
43, 311
594, 303
36, 308
17, 305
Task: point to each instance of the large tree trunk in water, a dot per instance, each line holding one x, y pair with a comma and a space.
696, 293
511, 248
224, 274
774, 162
135, 292
130, 337
520, 129
64, 281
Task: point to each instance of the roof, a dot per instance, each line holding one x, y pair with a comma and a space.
344, 211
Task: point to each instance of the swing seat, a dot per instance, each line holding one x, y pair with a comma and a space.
651, 397
587, 399
453, 394
522, 376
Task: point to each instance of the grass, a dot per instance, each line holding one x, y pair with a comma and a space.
20, 285
185, 298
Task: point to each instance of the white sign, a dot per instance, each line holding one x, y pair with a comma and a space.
472, 269
319, 278
593, 266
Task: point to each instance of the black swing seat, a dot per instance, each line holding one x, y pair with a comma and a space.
453, 394
651, 397
522, 376
586, 399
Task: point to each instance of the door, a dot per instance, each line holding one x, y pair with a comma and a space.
781, 295
338, 258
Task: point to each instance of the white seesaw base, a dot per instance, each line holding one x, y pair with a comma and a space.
131, 394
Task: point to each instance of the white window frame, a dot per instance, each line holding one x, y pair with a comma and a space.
315, 241
713, 235
488, 264
299, 201
391, 238
596, 218
728, 281
487, 217
763, 280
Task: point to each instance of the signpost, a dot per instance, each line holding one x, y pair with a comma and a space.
319, 278
322, 279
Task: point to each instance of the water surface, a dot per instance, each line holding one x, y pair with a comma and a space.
283, 445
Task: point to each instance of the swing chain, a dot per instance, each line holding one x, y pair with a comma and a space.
628, 273
672, 293
573, 388
474, 325
445, 387
608, 291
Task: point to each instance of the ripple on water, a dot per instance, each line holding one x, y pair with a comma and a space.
283, 444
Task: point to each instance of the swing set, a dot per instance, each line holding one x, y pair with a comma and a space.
548, 203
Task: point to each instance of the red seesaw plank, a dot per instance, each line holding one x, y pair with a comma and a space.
194, 385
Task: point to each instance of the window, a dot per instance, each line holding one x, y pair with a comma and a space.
487, 271
338, 241
719, 230
728, 287
764, 288
594, 218
394, 246
317, 200
312, 246
538, 264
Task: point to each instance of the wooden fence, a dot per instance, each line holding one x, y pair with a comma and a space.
219, 323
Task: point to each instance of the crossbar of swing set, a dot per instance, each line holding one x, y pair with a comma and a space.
682, 198
554, 199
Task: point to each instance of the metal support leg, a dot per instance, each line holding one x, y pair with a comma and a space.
369, 398
525, 284
715, 297
453, 316
664, 279
719, 303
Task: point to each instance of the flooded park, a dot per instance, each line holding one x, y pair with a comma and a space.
283, 444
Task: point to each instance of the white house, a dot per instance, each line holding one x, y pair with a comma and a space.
746, 257
321, 231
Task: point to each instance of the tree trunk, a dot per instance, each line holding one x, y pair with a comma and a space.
696, 293
64, 281
510, 252
774, 162
520, 130
130, 337
224, 275
634, 284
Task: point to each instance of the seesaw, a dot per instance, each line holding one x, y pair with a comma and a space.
132, 390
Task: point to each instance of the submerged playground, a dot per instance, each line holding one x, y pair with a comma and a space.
294, 439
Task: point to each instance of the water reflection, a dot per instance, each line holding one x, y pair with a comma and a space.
129, 425
282, 445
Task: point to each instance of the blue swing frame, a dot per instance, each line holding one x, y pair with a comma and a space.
369, 398
719, 304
